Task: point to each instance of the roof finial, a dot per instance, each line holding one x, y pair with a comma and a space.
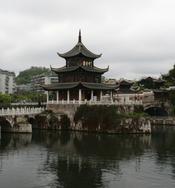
79, 37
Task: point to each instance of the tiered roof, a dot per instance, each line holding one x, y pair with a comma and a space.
71, 85
79, 48
73, 68
124, 87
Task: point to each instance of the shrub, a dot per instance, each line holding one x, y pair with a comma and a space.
65, 122
94, 116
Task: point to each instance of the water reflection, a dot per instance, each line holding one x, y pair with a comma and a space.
90, 155
89, 160
14, 141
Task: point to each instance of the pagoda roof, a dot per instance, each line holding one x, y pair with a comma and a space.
79, 48
71, 85
126, 91
125, 83
85, 68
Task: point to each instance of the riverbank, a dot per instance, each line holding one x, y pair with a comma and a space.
100, 119
87, 118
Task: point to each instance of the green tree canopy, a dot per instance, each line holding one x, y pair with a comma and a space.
25, 76
5, 98
170, 77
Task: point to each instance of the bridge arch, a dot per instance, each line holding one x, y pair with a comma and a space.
156, 111
5, 124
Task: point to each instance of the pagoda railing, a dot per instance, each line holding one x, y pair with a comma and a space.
138, 102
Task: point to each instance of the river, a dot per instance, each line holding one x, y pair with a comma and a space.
81, 160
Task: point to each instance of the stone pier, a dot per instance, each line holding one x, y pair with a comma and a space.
67, 109
15, 124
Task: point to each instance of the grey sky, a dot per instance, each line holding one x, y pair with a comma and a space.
136, 37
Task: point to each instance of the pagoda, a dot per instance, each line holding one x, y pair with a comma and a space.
79, 80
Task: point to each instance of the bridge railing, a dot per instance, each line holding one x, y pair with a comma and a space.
21, 111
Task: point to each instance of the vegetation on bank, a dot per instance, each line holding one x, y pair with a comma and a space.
93, 116
7, 99
107, 117
25, 76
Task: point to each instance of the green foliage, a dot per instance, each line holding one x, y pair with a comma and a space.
94, 116
28, 97
172, 97
5, 98
170, 77
25, 76
106, 117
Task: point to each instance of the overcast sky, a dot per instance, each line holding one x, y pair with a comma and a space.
136, 37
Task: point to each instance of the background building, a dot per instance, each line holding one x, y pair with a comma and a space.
42, 79
7, 82
24, 88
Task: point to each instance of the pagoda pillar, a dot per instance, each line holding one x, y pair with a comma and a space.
68, 96
79, 96
57, 96
92, 95
101, 94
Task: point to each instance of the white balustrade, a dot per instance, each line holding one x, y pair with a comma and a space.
21, 111
95, 102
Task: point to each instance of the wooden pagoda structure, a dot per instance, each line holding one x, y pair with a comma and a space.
79, 80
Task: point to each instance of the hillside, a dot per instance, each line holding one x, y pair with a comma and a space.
25, 76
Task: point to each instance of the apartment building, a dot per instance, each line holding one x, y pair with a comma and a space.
7, 82
39, 80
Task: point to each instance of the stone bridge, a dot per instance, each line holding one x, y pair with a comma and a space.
157, 108
16, 119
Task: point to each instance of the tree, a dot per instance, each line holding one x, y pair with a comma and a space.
25, 76
170, 77
5, 98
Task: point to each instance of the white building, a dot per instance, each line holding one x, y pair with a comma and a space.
7, 82
39, 80
24, 87
126, 95
143, 97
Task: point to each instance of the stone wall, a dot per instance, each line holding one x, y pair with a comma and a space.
52, 121
68, 109
163, 121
